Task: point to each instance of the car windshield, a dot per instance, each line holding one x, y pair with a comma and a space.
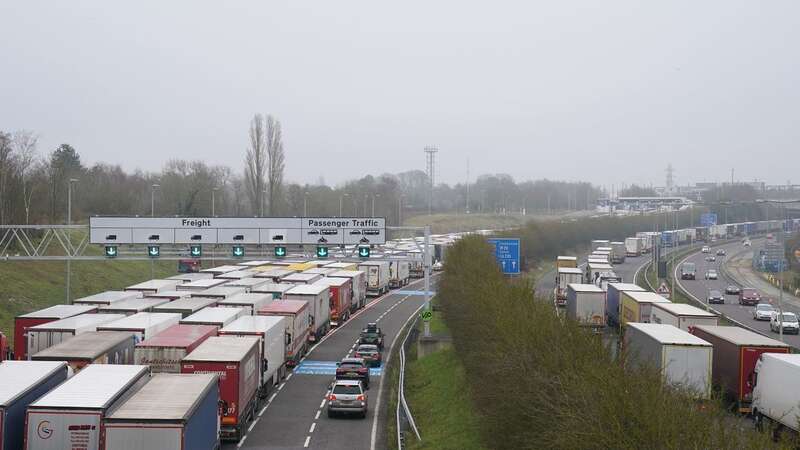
369, 335
350, 365
749, 292
789, 317
347, 389
716, 294
367, 349
688, 266
764, 307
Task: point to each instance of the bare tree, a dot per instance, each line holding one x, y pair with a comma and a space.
6, 167
24, 144
276, 163
256, 164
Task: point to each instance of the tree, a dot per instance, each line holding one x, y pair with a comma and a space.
256, 164
276, 163
24, 143
635, 190
65, 163
6, 167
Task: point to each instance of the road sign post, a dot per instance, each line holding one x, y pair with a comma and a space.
322, 251
111, 251
506, 252
196, 251
363, 251
153, 251
280, 251
238, 251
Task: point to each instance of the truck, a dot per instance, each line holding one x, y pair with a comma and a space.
164, 351
358, 278
605, 278
219, 292
637, 306
566, 261
106, 298
601, 255
586, 303
169, 296
301, 278
342, 265
593, 270
49, 334
153, 286
684, 359
25, 321
297, 314
23, 383
249, 284
613, 291
235, 275
276, 290
564, 277
681, 315
319, 305
132, 306
218, 316
776, 395
94, 347
184, 417
633, 246
188, 277
398, 274
688, 271
618, 252
271, 333
276, 275
377, 277
219, 270
250, 302
143, 325
201, 284
341, 298
736, 353
71, 415
597, 243
236, 360
186, 306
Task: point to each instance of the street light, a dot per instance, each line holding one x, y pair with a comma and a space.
400, 210
69, 235
373, 203
153, 199
263, 201
213, 201
341, 198
305, 204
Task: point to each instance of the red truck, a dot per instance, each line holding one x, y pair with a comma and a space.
736, 352
296, 327
341, 290
237, 362
3, 347
47, 315
164, 351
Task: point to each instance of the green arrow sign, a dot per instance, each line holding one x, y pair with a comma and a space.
153, 251
238, 251
111, 251
363, 252
426, 316
280, 252
322, 252
196, 251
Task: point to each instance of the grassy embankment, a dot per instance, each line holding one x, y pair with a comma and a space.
541, 382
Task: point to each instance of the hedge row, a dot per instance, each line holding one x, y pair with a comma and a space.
538, 381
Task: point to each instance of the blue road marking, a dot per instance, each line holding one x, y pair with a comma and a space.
327, 368
402, 292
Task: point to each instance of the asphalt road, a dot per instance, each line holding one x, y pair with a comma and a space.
294, 417
743, 314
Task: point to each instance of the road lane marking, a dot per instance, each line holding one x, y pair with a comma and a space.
321, 405
281, 386
250, 428
308, 439
290, 376
241, 442
316, 417
313, 426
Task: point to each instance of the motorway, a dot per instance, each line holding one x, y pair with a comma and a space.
294, 416
743, 314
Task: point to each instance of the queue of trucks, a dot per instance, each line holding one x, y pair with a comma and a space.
205, 348
759, 375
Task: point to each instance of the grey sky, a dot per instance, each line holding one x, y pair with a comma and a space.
598, 91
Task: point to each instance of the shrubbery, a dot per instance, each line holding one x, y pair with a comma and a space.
538, 381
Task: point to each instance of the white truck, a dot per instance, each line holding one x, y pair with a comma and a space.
681, 315
377, 277
271, 330
565, 277
633, 246
776, 395
318, 298
586, 303
46, 335
359, 278
683, 359
597, 243
398, 274
618, 252
143, 325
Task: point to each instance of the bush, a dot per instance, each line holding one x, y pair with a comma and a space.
539, 381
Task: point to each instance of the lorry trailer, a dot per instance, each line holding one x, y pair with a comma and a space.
637, 306
681, 315
236, 360
249, 284
564, 277
398, 274
217, 316
297, 314
71, 415
251, 302
613, 291
201, 284
143, 325
186, 306
164, 351
777, 392
586, 303
276, 290
171, 412
271, 333
46, 315
94, 347
377, 277
153, 286
132, 306
318, 298
341, 298
49, 334
106, 298
358, 278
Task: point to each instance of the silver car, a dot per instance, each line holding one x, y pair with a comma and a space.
711, 274
347, 396
763, 311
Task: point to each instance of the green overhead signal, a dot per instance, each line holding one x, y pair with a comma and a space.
111, 251
238, 251
322, 251
153, 251
196, 251
363, 251
280, 252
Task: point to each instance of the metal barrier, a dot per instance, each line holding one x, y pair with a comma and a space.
403, 415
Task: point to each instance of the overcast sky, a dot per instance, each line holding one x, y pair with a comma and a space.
607, 92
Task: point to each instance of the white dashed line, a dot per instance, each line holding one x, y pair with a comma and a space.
313, 426
318, 413
289, 376
308, 440
239, 445
322, 405
272, 397
281, 386
250, 428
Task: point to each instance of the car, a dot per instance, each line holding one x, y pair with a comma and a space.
348, 396
715, 296
369, 353
763, 311
789, 323
721, 252
438, 266
711, 274
749, 296
711, 258
688, 271
706, 249
747, 243
732, 290
353, 369
371, 334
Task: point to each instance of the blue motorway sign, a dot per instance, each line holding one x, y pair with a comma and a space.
708, 219
506, 252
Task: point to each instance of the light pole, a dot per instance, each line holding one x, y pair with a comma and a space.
213, 201
400, 210
373, 203
305, 204
263, 201
153, 199
341, 198
69, 236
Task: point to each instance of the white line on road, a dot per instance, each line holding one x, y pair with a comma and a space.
313, 425
281, 386
317, 416
289, 376
308, 440
250, 428
322, 405
240, 443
